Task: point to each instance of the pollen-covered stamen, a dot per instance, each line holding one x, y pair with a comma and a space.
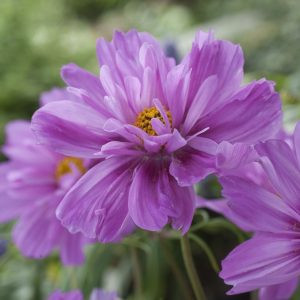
64, 167
144, 118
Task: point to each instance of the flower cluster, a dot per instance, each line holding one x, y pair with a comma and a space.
122, 150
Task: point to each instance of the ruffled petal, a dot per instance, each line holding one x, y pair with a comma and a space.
57, 94
133, 70
71, 248
205, 95
253, 114
145, 200
259, 210
189, 166
282, 168
177, 90
129, 53
296, 142
38, 232
116, 148
282, 291
29, 183
97, 205
211, 57
10, 207
155, 199
70, 128
81, 79
21, 146
182, 201
175, 142
203, 144
231, 157
262, 261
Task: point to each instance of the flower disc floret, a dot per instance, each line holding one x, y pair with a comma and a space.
64, 166
144, 118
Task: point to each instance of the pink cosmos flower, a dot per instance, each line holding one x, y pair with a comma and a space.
241, 161
270, 259
97, 294
33, 183
252, 171
157, 127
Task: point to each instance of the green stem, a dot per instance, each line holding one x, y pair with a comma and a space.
254, 295
181, 280
219, 223
207, 251
136, 273
190, 268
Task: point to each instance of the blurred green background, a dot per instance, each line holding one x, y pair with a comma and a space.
38, 37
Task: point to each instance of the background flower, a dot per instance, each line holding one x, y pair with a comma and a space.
273, 214
97, 294
34, 181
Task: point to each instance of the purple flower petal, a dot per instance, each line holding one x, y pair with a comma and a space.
155, 197
97, 205
9, 207
21, 145
72, 295
253, 114
190, 166
79, 78
210, 57
38, 232
70, 130
57, 94
259, 210
145, 205
205, 95
282, 291
282, 168
231, 157
262, 261
296, 142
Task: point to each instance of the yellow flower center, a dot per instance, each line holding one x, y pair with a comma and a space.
64, 166
144, 118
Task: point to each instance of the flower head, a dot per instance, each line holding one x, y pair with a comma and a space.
157, 126
270, 259
33, 183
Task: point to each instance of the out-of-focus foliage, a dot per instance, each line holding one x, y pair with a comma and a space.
38, 36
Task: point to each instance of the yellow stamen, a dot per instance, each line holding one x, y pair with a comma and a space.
143, 119
64, 166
